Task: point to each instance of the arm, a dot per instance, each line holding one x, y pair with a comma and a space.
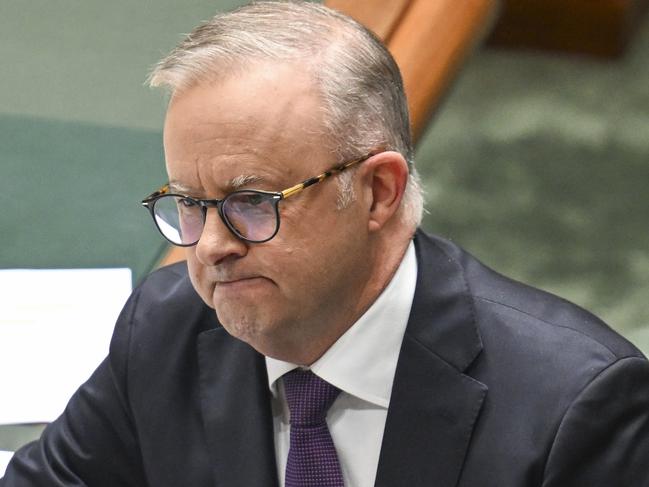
603, 439
93, 443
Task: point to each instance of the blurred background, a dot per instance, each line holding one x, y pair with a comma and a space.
537, 161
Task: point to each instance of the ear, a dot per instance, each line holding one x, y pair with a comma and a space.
385, 176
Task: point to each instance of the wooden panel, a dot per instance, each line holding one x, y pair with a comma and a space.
430, 43
601, 28
380, 17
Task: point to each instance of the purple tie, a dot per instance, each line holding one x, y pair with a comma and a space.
312, 459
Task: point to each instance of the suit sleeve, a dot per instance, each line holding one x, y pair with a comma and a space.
94, 442
603, 439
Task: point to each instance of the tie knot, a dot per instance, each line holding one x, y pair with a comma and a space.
308, 396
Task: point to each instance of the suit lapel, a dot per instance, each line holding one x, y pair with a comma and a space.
432, 412
235, 402
434, 404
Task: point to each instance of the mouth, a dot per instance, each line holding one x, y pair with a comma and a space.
232, 280
240, 283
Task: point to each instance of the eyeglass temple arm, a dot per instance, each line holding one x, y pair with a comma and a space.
162, 190
287, 192
321, 177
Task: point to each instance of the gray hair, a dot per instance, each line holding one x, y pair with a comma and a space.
364, 104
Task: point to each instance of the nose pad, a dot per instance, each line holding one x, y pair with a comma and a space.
217, 242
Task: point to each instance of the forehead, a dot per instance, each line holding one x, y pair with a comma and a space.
265, 122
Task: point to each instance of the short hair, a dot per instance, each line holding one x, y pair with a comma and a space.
364, 103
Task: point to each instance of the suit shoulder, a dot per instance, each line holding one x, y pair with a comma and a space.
166, 300
548, 313
505, 306
172, 278
168, 286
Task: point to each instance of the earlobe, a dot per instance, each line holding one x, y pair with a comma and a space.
387, 174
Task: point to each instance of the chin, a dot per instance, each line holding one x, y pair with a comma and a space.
250, 333
240, 330
240, 323
261, 334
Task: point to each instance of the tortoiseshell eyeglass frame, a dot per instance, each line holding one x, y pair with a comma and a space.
149, 201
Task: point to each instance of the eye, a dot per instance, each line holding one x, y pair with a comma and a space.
256, 199
187, 203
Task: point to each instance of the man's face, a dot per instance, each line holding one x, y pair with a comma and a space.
263, 130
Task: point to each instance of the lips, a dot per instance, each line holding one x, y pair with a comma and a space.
240, 284
226, 279
236, 280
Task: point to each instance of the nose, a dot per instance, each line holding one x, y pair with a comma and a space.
217, 242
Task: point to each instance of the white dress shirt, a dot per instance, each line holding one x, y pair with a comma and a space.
361, 363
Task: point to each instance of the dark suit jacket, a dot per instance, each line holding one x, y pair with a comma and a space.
497, 385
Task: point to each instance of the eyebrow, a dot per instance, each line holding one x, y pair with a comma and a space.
179, 188
243, 180
232, 185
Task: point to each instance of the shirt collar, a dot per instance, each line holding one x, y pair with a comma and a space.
362, 362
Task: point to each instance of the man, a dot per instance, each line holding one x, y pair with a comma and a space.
291, 184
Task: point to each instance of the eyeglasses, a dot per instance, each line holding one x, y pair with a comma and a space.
251, 215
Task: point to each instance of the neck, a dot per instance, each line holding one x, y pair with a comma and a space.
385, 261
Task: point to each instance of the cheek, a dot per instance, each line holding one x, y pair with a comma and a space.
296, 267
286, 263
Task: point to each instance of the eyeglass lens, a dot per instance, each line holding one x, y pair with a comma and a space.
250, 215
